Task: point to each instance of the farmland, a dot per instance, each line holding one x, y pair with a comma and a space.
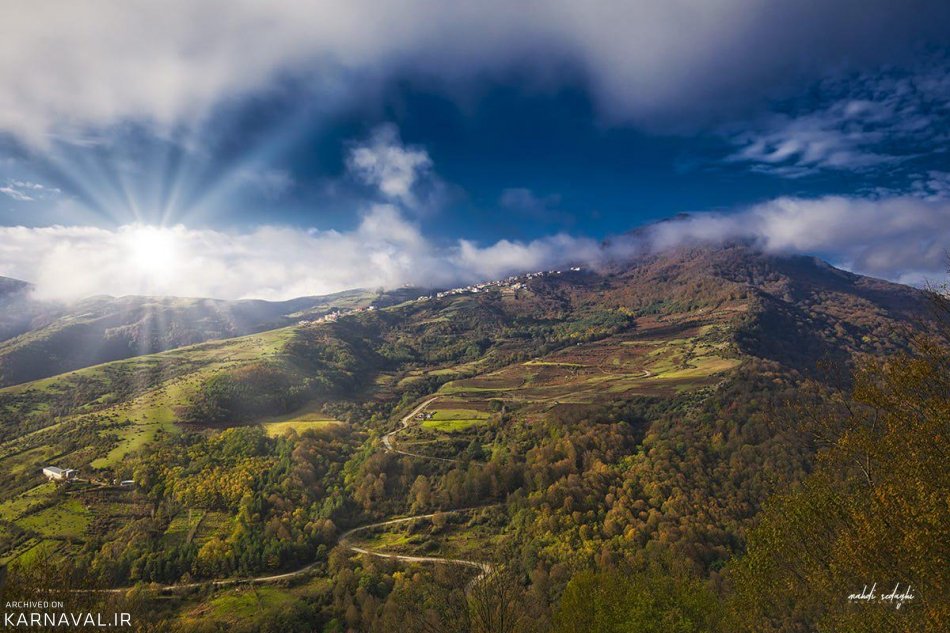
309, 417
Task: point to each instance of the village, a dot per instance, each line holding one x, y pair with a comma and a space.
513, 282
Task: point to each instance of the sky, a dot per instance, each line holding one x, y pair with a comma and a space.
239, 149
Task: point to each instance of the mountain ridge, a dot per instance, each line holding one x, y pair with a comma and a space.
627, 409
90, 331
42, 339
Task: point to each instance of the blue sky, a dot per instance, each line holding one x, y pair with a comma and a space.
447, 144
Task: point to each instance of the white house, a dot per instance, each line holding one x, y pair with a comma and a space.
59, 474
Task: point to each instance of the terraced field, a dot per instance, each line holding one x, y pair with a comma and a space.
658, 358
452, 415
640, 363
68, 519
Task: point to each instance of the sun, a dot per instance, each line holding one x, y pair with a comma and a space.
151, 250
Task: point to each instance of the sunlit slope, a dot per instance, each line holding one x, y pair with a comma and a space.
551, 346
110, 411
91, 419
666, 324
64, 337
123, 403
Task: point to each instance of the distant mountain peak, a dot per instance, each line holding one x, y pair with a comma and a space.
9, 285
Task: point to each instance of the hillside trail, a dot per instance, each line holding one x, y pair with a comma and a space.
403, 425
484, 569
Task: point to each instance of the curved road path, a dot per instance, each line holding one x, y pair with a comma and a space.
484, 569
403, 425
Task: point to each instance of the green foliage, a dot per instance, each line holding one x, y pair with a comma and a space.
873, 512
246, 393
607, 440
654, 600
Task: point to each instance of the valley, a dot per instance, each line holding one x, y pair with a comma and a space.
438, 443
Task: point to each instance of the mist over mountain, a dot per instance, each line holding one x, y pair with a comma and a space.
799, 297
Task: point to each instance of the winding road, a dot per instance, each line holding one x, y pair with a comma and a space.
403, 425
484, 569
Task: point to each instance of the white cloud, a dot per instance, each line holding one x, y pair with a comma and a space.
898, 238
27, 191
66, 65
16, 194
934, 185
853, 123
397, 171
385, 249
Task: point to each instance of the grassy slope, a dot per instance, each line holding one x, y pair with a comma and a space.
307, 418
689, 344
104, 329
131, 424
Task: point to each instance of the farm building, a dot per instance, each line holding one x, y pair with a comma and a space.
59, 474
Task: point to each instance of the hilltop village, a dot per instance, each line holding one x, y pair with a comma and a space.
513, 282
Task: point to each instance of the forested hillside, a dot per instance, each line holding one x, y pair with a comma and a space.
666, 446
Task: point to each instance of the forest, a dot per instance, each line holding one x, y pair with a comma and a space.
615, 465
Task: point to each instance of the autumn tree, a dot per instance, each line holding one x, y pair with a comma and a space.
873, 513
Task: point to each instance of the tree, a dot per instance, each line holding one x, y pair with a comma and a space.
421, 493
874, 511
656, 599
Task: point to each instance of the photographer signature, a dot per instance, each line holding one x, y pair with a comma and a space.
897, 597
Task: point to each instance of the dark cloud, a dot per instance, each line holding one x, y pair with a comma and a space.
652, 62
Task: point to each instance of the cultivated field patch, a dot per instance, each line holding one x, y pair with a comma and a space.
310, 417
68, 519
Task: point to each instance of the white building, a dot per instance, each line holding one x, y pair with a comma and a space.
59, 474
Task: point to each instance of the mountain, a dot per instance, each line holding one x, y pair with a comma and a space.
801, 309
39, 338
18, 311
11, 286
582, 419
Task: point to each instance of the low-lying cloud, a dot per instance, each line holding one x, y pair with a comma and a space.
903, 239
385, 250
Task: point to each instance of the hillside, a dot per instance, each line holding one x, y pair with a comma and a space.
601, 415
17, 311
9, 286
48, 338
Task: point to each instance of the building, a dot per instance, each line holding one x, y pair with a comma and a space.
54, 473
